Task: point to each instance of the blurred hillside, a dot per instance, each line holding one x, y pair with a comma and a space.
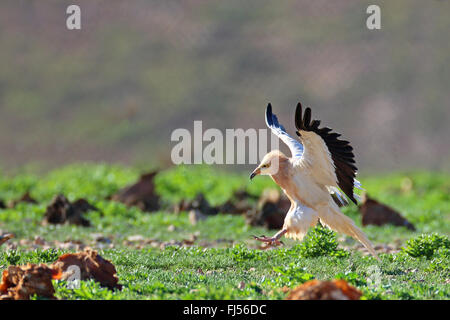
115, 90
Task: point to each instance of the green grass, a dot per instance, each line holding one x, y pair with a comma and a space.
224, 255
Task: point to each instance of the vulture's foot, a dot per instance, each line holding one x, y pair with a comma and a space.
272, 241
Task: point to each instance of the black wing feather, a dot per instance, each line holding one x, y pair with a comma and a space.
340, 150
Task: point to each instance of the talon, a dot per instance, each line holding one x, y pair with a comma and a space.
273, 241
276, 242
263, 238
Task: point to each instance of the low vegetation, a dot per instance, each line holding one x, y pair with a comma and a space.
162, 255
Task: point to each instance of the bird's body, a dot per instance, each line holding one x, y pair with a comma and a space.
320, 165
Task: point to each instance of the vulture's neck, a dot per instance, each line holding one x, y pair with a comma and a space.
283, 178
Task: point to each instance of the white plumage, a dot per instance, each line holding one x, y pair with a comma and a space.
320, 165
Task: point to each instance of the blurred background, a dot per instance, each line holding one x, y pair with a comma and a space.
116, 89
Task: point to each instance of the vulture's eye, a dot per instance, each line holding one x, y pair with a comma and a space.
266, 165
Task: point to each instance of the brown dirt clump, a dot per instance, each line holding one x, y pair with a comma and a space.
271, 210
26, 197
239, 203
379, 214
5, 237
61, 211
198, 204
141, 194
21, 282
92, 266
325, 290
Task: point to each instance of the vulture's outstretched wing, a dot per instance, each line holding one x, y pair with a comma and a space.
330, 160
294, 145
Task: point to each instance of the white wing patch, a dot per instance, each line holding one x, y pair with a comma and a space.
277, 129
339, 194
310, 155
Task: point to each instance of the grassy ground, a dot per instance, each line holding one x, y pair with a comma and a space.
224, 262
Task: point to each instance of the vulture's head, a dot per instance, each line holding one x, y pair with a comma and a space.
270, 164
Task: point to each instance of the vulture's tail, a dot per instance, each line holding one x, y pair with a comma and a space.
335, 220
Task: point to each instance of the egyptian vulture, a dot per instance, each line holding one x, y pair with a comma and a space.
321, 164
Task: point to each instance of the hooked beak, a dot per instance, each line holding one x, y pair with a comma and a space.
255, 173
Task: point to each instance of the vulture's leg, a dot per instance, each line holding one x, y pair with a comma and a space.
275, 240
